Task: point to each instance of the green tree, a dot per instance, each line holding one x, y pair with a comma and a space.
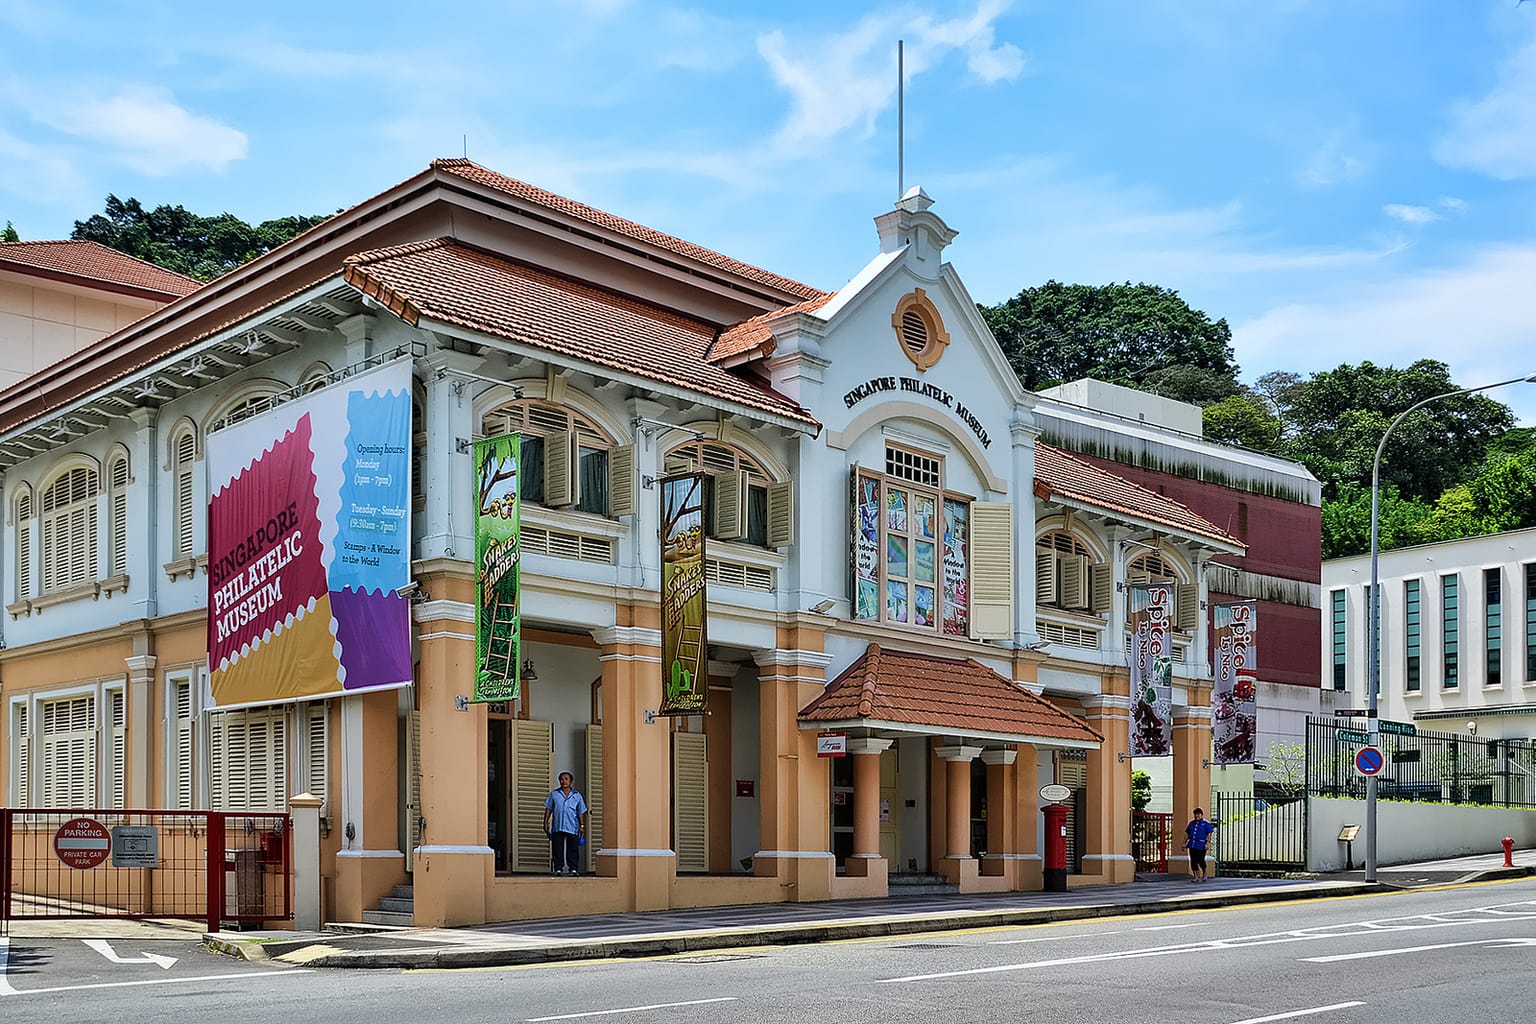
1287, 767
1242, 419
1117, 332
1141, 790
9, 234
179, 240
1400, 521
1338, 417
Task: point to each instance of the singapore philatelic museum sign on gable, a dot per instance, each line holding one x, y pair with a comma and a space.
911, 385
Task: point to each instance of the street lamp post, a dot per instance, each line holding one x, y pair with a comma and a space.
1373, 644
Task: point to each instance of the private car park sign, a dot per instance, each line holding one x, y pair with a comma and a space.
82, 843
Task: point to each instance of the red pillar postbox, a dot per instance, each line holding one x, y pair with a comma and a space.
1055, 876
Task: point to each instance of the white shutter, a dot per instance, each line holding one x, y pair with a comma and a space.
690, 801
24, 547
69, 752
412, 788
562, 481
181, 752
1102, 584
1046, 583
621, 481
250, 761
533, 757
1074, 582
730, 510
119, 743
1186, 606
593, 791
184, 456
118, 512
23, 759
317, 753
781, 514
991, 570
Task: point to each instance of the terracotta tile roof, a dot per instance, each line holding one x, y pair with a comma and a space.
94, 264
445, 280
472, 171
942, 695
1060, 473
754, 337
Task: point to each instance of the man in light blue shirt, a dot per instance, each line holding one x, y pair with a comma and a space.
565, 820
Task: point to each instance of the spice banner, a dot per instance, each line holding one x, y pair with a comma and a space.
1151, 671
684, 645
498, 572
1234, 701
308, 540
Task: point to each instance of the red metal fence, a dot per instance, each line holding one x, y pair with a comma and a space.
1151, 836
93, 863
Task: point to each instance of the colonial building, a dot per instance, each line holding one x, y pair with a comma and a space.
877, 506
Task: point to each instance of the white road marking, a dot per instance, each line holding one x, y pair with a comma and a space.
105, 949
1166, 927
631, 1009
1511, 943
5, 961
6, 990
1044, 938
1298, 1013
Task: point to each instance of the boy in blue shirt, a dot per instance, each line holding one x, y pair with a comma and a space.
1197, 837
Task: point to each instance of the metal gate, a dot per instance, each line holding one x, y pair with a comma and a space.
1253, 834
59, 863
1151, 837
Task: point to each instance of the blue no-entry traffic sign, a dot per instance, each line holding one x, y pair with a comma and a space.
1368, 761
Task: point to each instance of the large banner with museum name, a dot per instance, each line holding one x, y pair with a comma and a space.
684, 641
308, 541
498, 568
1234, 697
1151, 670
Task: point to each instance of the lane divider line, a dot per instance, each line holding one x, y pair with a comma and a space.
630, 1009
1299, 1013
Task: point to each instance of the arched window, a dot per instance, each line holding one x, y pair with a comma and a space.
735, 489
565, 455
258, 400
24, 567
1068, 575
69, 529
1152, 567
117, 513
316, 377
418, 448
183, 458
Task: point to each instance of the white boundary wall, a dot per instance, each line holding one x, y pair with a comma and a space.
1409, 832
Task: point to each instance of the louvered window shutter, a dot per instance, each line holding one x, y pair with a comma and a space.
562, 482
991, 570
593, 791
690, 801
218, 758
317, 758
182, 523
781, 514
1186, 606
24, 547
119, 744
118, 511
181, 759
23, 760
621, 481
533, 759
731, 505
69, 752
412, 788
1103, 583
1074, 582
1045, 577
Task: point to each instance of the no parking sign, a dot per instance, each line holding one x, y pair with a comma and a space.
1369, 761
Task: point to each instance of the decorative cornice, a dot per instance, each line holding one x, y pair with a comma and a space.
1006, 756
1107, 700
800, 658
868, 745
957, 753
443, 609
639, 636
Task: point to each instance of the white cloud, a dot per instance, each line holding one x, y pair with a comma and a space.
1496, 135
1417, 216
1336, 161
38, 175
147, 130
844, 81
1475, 316
1452, 203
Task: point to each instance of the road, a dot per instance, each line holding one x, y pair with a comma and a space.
1452, 955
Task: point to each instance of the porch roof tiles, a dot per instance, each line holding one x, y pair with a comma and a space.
94, 265
901, 690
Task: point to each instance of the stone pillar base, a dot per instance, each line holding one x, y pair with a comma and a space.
867, 867
959, 870
449, 883
1110, 868
362, 876
806, 877
645, 876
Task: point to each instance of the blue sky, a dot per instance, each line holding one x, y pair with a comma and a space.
1340, 181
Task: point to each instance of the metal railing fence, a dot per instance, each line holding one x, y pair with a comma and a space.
1436, 767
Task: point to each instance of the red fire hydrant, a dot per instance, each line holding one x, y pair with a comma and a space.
1509, 852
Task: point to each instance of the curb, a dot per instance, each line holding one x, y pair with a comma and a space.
237, 948
320, 955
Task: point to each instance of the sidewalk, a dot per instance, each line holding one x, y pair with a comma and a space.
669, 932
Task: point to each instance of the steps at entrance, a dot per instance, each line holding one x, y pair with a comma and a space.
398, 908
920, 885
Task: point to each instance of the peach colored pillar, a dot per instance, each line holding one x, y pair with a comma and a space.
1191, 775
958, 865
717, 733
866, 752
1026, 819
1002, 811
1108, 819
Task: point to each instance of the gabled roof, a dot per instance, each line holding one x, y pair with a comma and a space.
472, 171
754, 338
904, 692
453, 283
1059, 475
94, 265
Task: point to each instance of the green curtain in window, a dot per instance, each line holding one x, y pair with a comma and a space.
532, 469
594, 481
